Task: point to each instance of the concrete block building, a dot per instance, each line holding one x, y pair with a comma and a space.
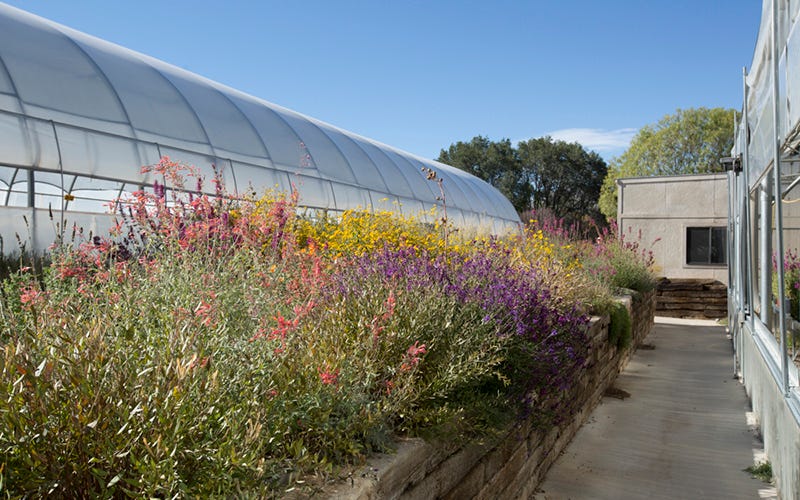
684, 220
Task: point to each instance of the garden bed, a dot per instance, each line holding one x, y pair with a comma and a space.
220, 346
513, 465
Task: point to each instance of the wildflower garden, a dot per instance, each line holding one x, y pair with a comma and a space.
233, 345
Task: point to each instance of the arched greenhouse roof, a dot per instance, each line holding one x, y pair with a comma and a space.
79, 116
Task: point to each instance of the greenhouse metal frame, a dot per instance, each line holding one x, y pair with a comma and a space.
764, 229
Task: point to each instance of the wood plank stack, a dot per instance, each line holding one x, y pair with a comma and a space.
691, 298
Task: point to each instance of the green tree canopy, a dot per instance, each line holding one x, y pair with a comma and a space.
565, 179
495, 162
540, 173
691, 141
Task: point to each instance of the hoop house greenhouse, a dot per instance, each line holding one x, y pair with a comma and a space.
79, 116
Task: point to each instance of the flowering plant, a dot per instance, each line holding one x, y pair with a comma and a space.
216, 343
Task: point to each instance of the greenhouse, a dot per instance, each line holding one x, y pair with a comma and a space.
80, 116
764, 189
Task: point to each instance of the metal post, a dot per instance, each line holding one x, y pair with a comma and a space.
31, 205
734, 304
733, 257
747, 260
765, 250
776, 168
748, 249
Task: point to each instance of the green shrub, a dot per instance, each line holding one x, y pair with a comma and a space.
630, 272
620, 330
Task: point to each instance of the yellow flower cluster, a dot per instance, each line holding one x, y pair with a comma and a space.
356, 232
536, 248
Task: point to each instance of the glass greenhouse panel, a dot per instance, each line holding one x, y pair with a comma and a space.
61, 182
477, 203
480, 192
47, 195
499, 206
94, 201
97, 196
455, 217
10, 103
793, 76
10, 229
90, 224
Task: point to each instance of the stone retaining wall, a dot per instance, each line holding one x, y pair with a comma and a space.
691, 298
513, 466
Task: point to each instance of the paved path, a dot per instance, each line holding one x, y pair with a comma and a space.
681, 434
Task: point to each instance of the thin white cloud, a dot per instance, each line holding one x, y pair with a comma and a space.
602, 141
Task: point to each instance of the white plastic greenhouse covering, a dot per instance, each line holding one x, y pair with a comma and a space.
760, 94
79, 116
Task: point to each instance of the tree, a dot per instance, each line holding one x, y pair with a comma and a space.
540, 173
495, 162
565, 179
689, 142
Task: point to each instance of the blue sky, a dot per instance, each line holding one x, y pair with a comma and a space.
422, 74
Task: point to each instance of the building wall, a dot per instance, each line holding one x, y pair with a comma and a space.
660, 209
778, 416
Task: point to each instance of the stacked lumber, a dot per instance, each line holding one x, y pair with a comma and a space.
691, 298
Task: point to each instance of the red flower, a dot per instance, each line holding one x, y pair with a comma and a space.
413, 356
31, 297
205, 310
329, 377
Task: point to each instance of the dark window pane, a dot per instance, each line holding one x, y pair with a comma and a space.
718, 245
706, 245
697, 245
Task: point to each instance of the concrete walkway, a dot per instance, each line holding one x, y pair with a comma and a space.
682, 432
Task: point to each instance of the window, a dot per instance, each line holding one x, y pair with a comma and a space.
706, 245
